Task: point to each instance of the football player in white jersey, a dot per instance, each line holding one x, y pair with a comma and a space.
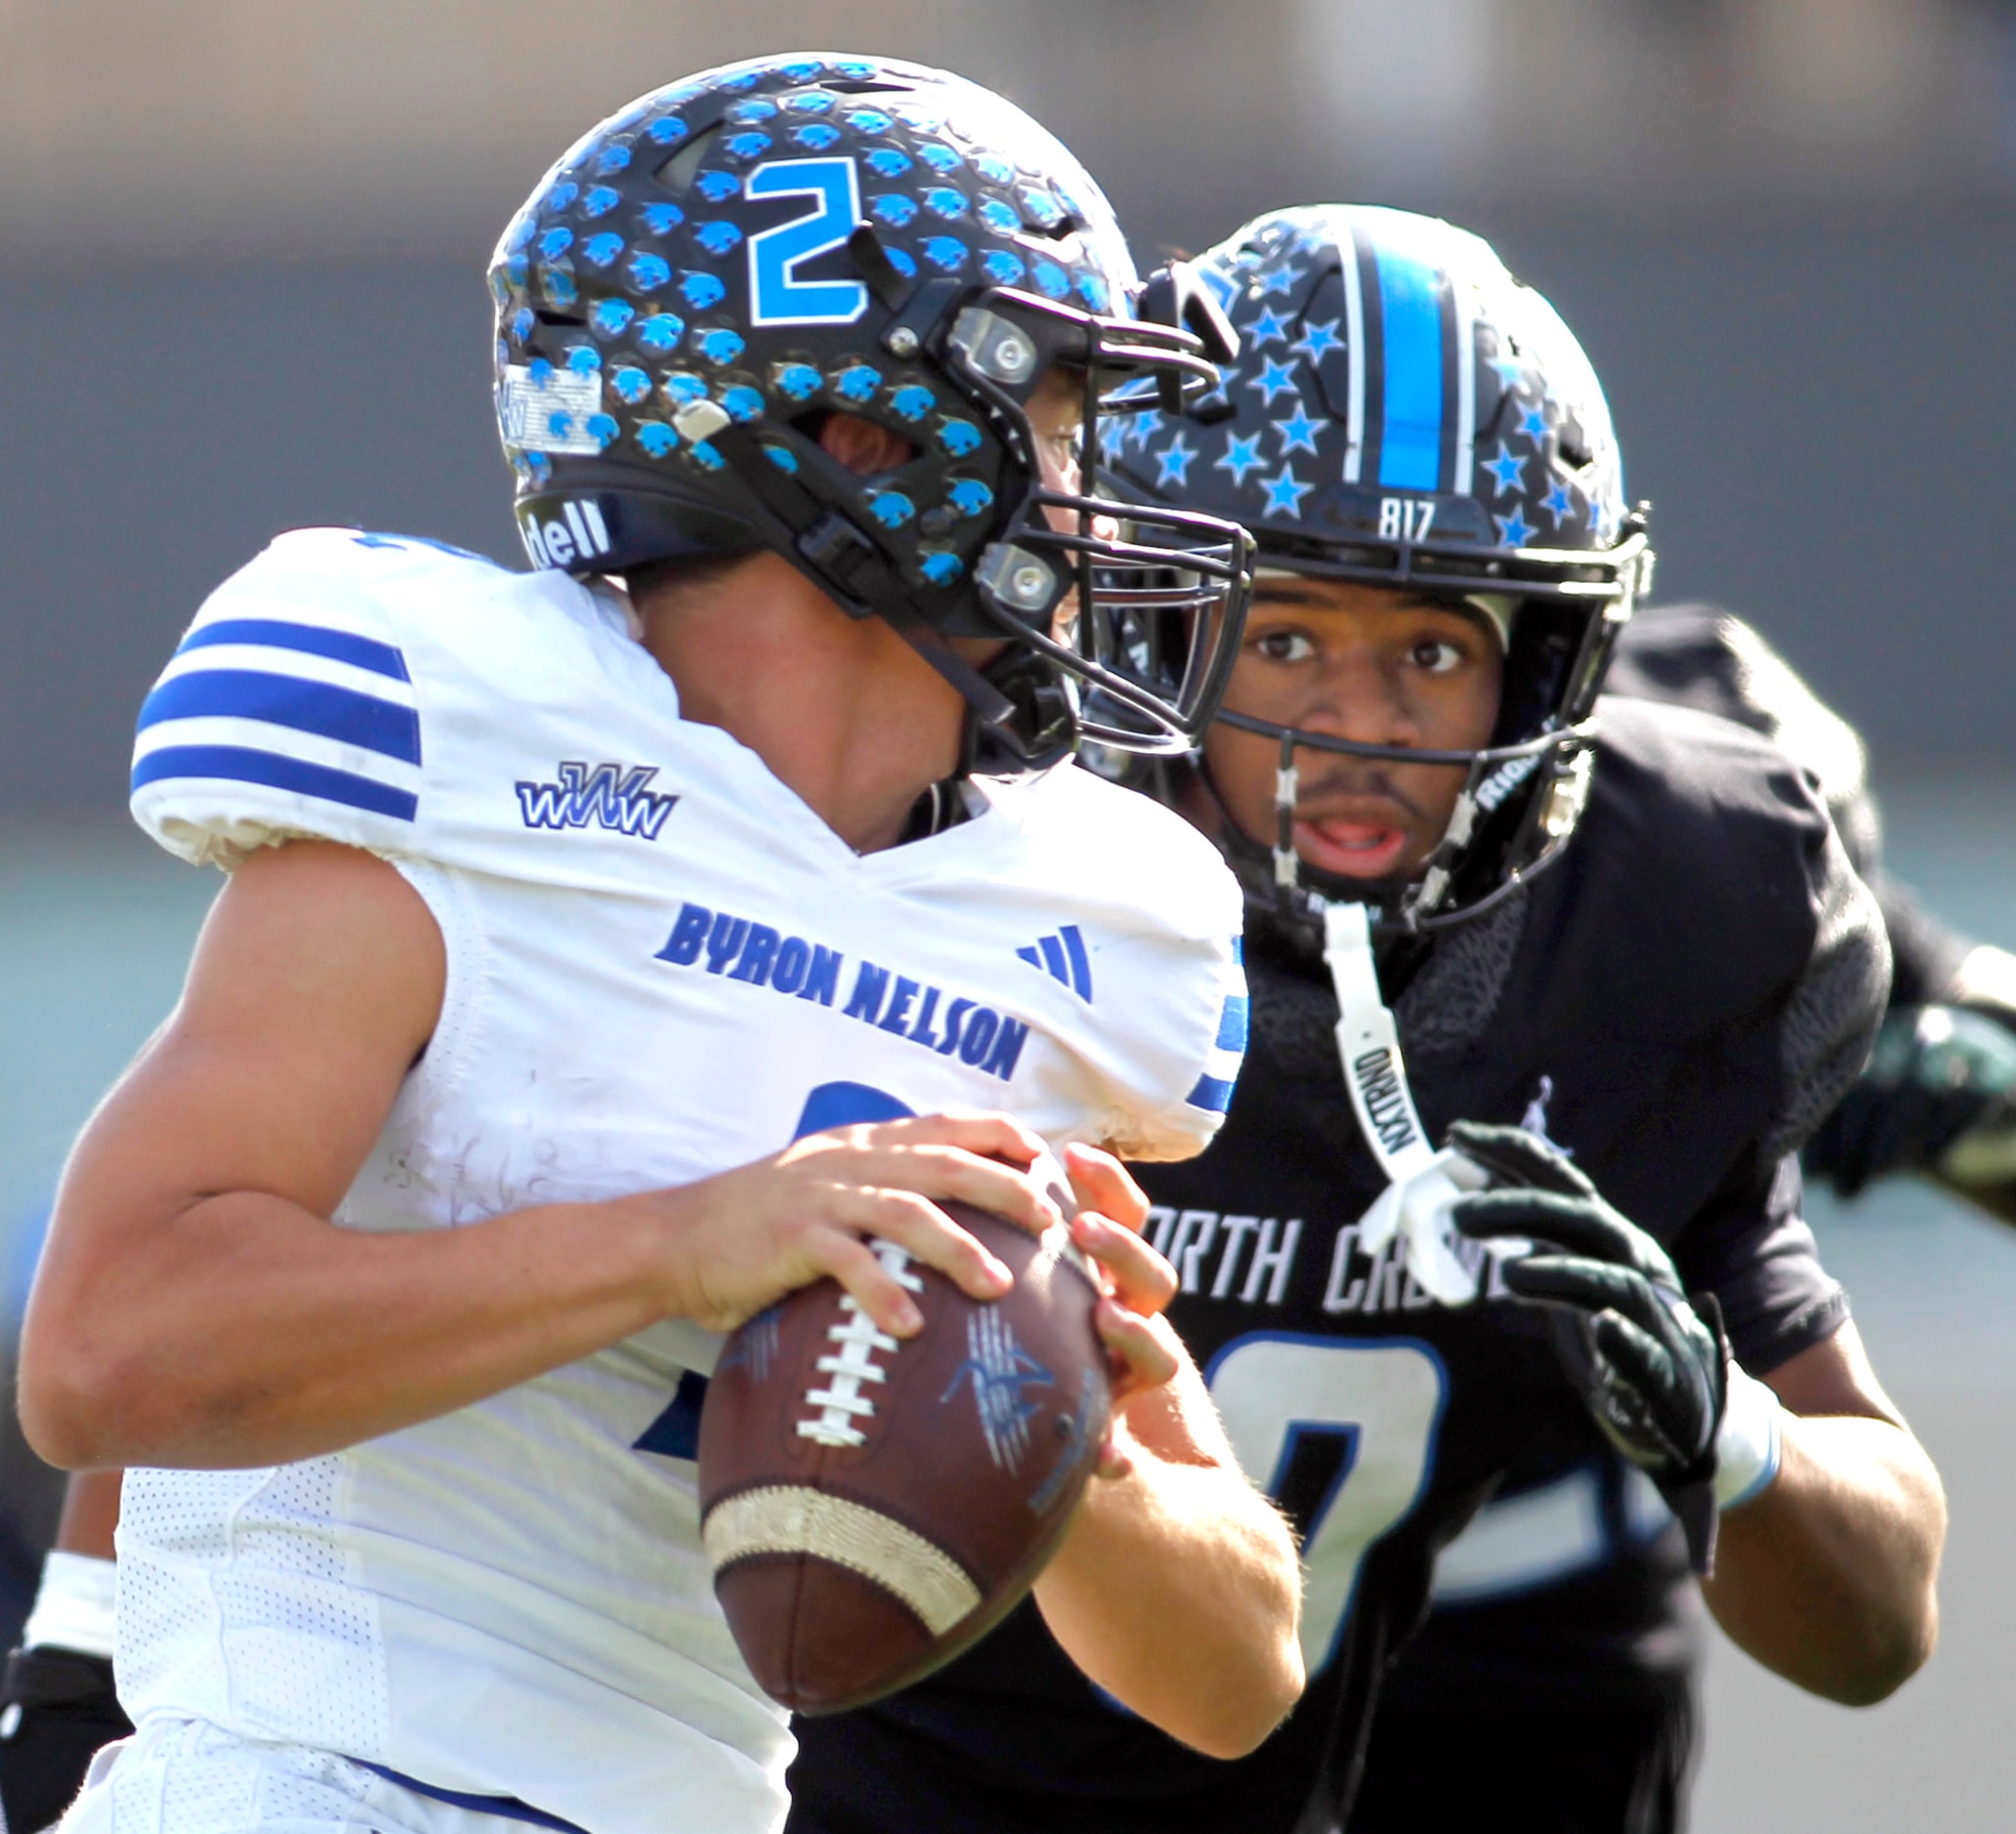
600, 964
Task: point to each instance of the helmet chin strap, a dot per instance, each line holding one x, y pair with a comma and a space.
1421, 1183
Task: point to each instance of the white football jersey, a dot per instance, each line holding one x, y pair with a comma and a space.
661, 965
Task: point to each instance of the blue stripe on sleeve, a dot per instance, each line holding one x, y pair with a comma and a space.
315, 640
1211, 1092
1238, 951
338, 713
241, 764
1231, 1023
1410, 309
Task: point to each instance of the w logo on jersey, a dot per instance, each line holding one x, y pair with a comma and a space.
607, 795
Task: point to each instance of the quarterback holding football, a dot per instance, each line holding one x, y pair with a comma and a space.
613, 949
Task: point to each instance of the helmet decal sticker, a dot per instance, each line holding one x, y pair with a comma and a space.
777, 294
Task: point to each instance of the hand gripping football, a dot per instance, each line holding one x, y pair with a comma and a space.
875, 1505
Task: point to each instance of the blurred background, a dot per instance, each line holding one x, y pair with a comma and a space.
240, 290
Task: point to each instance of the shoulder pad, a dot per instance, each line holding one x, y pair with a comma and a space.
1120, 844
289, 709
1171, 976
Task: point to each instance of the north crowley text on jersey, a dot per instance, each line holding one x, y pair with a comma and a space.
742, 949
1370, 1284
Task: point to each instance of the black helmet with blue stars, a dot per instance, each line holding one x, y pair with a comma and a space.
1405, 413
708, 273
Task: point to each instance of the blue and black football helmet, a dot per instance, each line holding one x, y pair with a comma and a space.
711, 272
1405, 413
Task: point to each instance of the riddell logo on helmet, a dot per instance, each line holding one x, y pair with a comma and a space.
582, 535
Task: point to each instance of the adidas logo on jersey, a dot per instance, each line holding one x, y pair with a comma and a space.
1063, 957
607, 795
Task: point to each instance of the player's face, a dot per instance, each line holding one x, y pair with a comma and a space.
1364, 663
1056, 411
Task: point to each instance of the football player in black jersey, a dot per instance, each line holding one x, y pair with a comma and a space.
1564, 1641
1630, 1037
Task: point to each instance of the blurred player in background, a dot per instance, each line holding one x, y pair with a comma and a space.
1563, 1651
538, 1036
1632, 1035
56, 1701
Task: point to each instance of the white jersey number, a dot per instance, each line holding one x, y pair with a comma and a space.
1377, 1403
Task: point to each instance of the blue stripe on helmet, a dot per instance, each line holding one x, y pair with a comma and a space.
1231, 1023
240, 763
1410, 314
339, 713
314, 640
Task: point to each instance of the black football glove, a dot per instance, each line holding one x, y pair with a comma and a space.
1939, 1097
1651, 1366
57, 1710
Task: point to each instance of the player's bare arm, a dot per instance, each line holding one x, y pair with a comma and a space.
200, 1195
1829, 1576
1177, 1589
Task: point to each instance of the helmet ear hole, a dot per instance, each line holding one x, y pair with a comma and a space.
677, 173
865, 448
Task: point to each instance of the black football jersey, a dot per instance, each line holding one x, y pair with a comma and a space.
1619, 1620
1676, 1002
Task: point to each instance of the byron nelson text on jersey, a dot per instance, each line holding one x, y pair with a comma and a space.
763, 956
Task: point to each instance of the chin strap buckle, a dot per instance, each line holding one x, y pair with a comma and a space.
839, 551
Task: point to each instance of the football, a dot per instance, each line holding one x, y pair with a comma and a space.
872, 1505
